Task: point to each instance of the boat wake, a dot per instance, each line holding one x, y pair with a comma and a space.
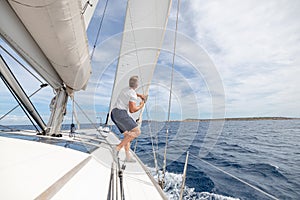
173, 187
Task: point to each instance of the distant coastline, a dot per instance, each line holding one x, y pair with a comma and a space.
234, 119
245, 119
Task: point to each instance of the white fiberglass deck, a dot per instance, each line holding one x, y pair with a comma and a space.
35, 170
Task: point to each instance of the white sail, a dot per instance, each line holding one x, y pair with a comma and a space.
15, 34
143, 35
58, 28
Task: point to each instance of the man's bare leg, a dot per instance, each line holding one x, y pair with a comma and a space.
128, 137
127, 148
124, 142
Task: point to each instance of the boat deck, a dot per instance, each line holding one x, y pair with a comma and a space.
32, 167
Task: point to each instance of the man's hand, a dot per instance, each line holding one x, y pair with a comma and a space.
143, 97
134, 108
142, 103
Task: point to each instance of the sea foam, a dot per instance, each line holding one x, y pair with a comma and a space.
173, 186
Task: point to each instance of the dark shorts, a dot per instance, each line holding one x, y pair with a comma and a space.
123, 121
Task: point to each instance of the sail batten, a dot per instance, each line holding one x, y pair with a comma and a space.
144, 28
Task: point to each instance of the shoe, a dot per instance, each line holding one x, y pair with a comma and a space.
56, 135
130, 160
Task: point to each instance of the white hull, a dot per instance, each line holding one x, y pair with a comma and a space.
35, 170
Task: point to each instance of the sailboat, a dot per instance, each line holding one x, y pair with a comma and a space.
50, 36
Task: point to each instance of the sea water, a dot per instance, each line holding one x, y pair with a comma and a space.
251, 159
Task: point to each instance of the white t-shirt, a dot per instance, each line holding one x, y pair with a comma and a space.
126, 95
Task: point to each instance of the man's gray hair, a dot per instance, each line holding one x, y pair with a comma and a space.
133, 81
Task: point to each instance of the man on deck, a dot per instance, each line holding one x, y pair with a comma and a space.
125, 104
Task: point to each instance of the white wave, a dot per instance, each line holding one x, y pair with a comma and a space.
173, 186
276, 167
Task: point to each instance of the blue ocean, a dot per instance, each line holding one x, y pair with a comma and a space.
249, 159
256, 159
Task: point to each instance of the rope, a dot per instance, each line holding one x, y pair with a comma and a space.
98, 33
3, 116
170, 94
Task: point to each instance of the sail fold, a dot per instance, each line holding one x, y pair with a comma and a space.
15, 34
58, 28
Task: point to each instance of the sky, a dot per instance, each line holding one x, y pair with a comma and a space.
252, 49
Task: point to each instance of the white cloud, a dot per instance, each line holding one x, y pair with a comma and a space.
255, 45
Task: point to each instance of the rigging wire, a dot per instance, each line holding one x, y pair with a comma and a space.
94, 125
156, 126
170, 96
87, 117
96, 41
235, 177
197, 157
99, 29
21, 64
13, 94
35, 92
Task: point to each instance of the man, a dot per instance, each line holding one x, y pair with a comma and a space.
125, 103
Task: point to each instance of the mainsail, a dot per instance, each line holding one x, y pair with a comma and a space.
51, 36
143, 35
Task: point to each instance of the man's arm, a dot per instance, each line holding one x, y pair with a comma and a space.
134, 108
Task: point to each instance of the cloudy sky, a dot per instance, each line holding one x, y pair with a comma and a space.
254, 47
